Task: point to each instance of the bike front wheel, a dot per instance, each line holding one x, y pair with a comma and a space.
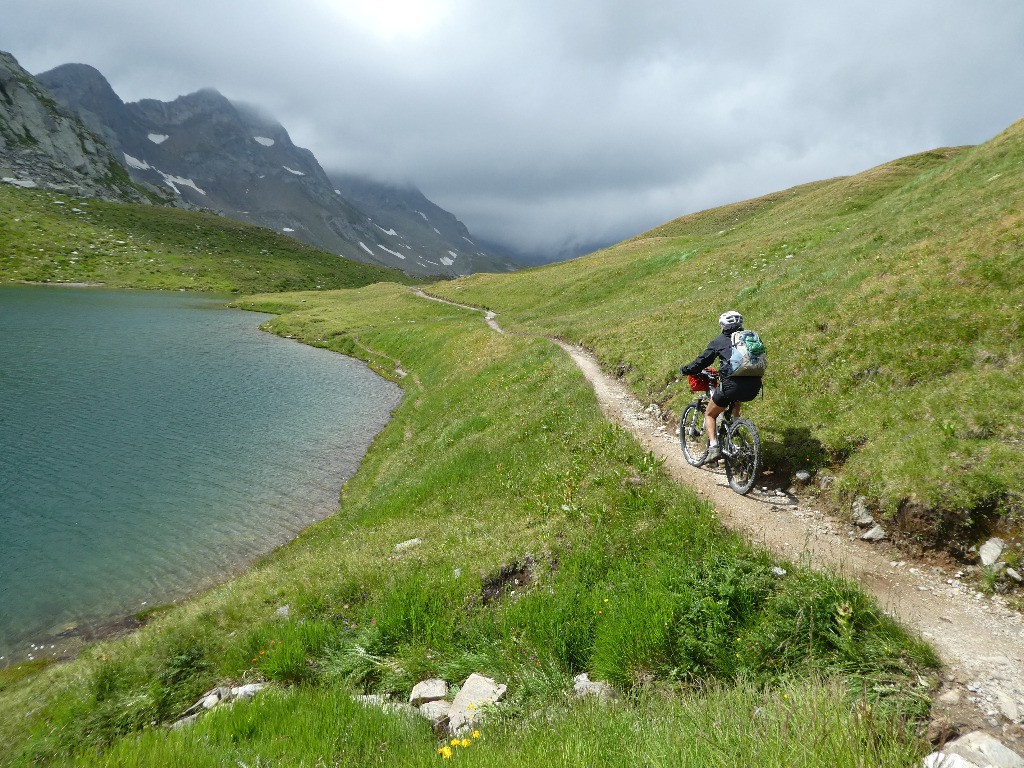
743, 455
692, 436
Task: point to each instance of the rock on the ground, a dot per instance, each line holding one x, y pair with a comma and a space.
187, 720
875, 534
860, 514
583, 686
436, 712
975, 750
991, 550
247, 691
215, 697
1014, 574
803, 476
942, 760
428, 690
408, 544
825, 482
476, 693
952, 696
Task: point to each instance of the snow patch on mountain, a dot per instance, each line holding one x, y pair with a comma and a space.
387, 231
170, 180
393, 253
292, 170
174, 181
365, 247
158, 138
134, 162
263, 140
446, 261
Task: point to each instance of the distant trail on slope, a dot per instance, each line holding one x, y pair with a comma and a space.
979, 638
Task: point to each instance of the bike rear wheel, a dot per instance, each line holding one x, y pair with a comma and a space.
743, 455
692, 436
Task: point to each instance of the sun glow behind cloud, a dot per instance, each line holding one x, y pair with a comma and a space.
391, 20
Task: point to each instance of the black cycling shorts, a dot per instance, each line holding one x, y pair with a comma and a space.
741, 388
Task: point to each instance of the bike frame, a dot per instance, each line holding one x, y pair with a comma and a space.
742, 459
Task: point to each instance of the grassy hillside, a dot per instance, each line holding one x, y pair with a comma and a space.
892, 303
47, 237
500, 461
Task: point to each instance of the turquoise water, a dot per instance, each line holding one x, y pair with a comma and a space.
150, 443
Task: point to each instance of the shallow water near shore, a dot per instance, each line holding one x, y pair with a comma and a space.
151, 443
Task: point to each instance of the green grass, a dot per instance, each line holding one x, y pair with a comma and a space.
552, 543
891, 303
48, 237
805, 723
499, 460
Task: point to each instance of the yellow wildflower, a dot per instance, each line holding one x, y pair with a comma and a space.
465, 743
445, 752
454, 742
475, 734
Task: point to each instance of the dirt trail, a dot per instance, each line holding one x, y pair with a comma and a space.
980, 640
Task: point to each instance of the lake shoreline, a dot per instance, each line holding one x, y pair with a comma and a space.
65, 639
78, 634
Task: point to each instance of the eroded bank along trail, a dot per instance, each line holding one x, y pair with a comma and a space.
980, 640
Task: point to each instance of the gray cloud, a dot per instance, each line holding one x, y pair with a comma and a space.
546, 125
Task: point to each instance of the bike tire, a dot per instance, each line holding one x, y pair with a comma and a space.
743, 457
693, 438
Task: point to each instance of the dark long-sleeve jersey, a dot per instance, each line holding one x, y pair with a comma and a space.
719, 347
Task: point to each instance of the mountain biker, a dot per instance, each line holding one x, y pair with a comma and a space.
736, 390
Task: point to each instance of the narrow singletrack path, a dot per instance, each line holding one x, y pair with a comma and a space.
979, 638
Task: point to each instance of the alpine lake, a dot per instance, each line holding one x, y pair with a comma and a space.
152, 444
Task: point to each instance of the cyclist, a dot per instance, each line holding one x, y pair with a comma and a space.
736, 390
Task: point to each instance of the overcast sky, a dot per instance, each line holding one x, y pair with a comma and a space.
548, 123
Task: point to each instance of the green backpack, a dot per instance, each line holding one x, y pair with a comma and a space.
749, 356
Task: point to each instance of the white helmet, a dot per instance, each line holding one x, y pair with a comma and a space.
731, 320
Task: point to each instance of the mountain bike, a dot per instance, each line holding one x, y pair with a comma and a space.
737, 437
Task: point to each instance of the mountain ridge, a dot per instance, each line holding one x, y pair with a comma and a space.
43, 144
235, 160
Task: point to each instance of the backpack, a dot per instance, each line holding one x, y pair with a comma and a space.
749, 356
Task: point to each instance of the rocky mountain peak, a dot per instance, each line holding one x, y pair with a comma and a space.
205, 104
43, 144
80, 83
235, 160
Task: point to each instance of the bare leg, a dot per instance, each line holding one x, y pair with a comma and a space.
710, 415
